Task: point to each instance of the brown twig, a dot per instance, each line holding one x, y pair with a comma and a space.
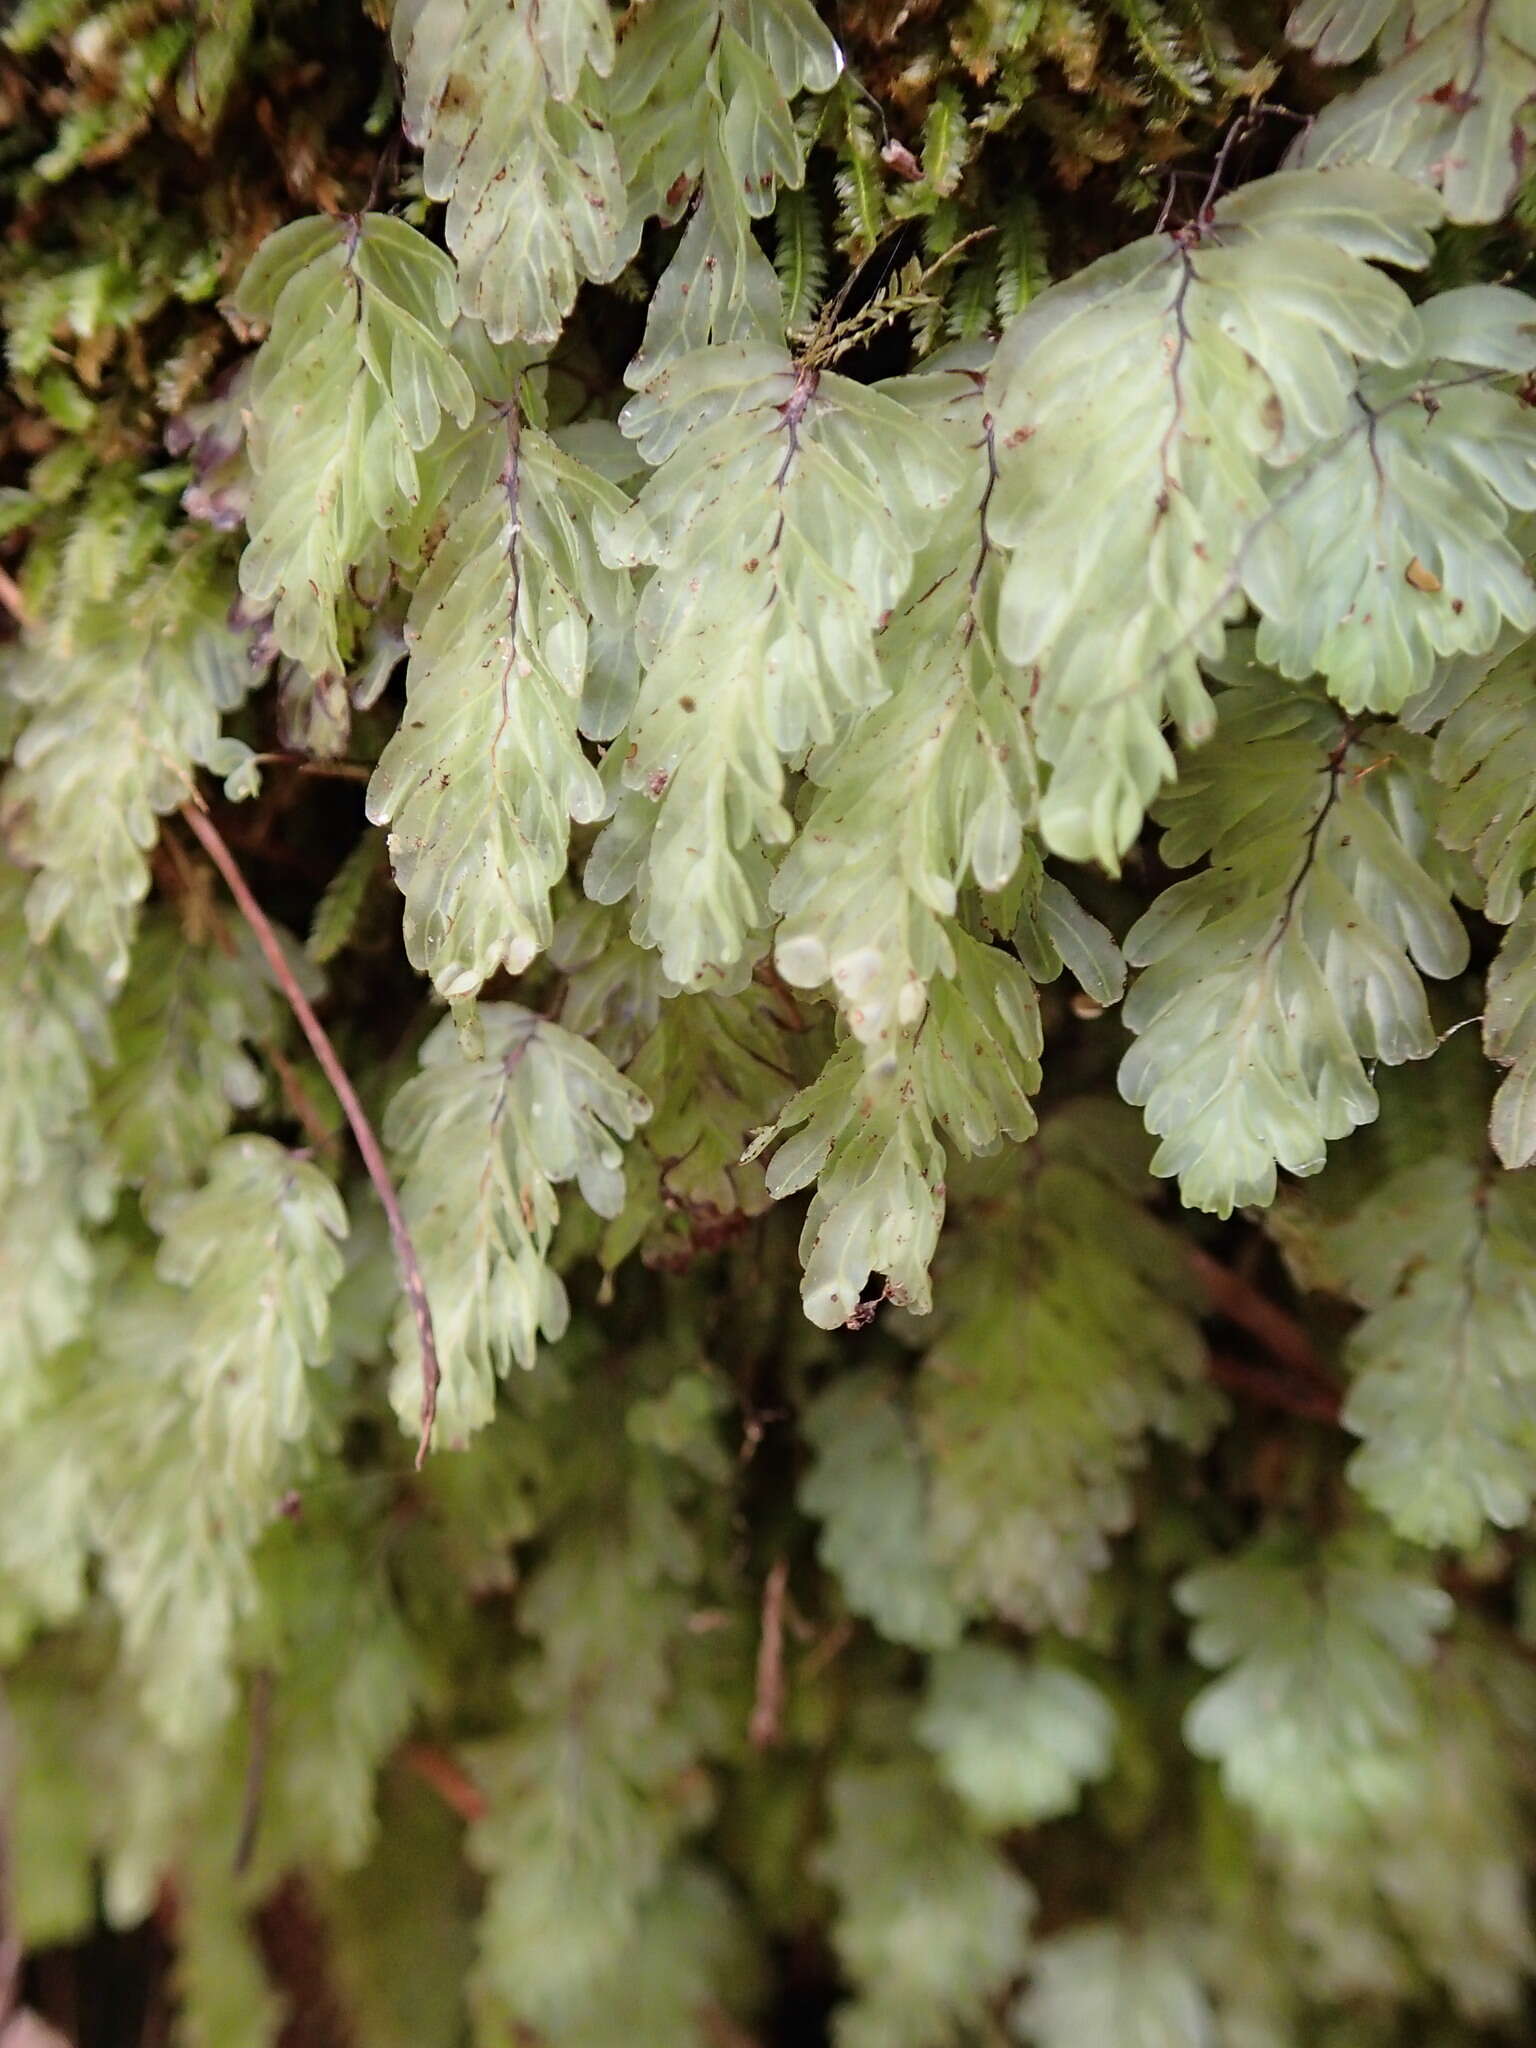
1237, 1299
212, 841
450, 1781
255, 1771
14, 602
341, 771
766, 1724
299, 1100
1273, 1388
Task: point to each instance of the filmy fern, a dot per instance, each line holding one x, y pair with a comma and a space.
794, 599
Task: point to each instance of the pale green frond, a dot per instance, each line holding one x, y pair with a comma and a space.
593, 1786
782, 525
1447, 103
482, 1145
1275, 975
120, 719
258, 1249
186, 1023
353, 382
1070, 1306
1509, 1036
348, 1677
719, 287
173, 1539
931, 788
878, 1167
1374, 1921
513, 618
867, 1488
45, 1489
1155, 392
1339, 31
717, 1067
1442, 1258
692, 1953
1117, 1987
1485, 759
53, 1032
704, 91
47, 1271
510, 106
1015, 1739
870, 1139
1319, 1701
1430, 473
932, 1922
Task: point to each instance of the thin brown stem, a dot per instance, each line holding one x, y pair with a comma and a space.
212, 841
13, 601
1272, 1388
1230, 1295
255, 1770
299, 1100
338, 771
449, 1780
766, 1724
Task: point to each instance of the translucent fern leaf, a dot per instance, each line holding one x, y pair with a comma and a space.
1447, 103
1485, 759
483, 1144
509, 106
782, 524
351, 384
704, 92
1158, 388
1441, 1258
480, 783
1275, 974
174, 1536
599, 1777
1318, 1701
53, 1032
932, 1920
44, 1526
1016, 1740
716, 1067
1117, 1987
185, 1025
931, 788
1384, 1915
258, 1249
871, 1143
348, 1678
1339, 31
692, 1952
1072, 1307
867, 1488
1509, 1036
121, 716
1430, 473
47, 1268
